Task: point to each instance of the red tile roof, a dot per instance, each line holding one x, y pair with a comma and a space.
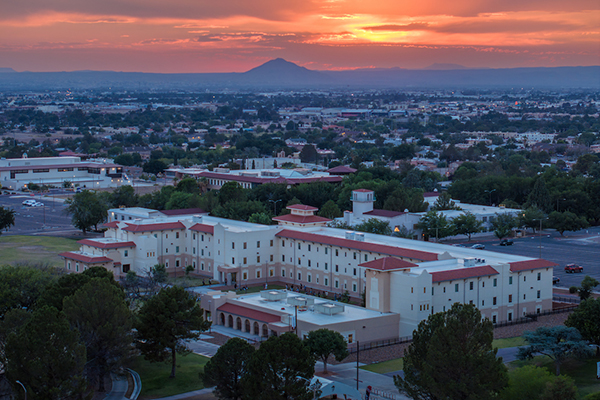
388, 264
358, 245
203, 228
249, 313
302, 207
101, 245
184, 211
530, 264
154, 227
384, 213
301, 219
463, 273
113, 224
85, 259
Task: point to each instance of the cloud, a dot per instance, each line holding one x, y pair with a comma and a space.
417, 26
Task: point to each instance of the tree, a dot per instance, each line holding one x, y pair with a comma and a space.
527, 382
46, 355
232, 191
503, 224
309, 154
586, 319
330, 210
561, 388
165, 321
324, 342
124, 196
467, 224
539, 196
7, 218
280, 369
587, 286
86, 210
105, 326
557, 342
451, 357
374, 225
260, 218
444, 202
154, 166
21, 287
226, 369
566, 221
436, 225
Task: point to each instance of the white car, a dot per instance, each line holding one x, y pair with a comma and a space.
37, 204
29, 203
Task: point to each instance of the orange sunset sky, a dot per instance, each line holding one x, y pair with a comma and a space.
236, 35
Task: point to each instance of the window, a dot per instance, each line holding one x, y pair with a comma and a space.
337, 268
412, 290
271, 258
424, 290
326, 281
325, 266
166, 249
456, 287
354, 287
299, 276
309, 247
176, 249
202, 266
494, 319
194, 236
337, 253
524, 296
126, 253
524, 278
69, 265
245, 276
309, 263
539, 294
510, 280
233, 245
245, 261
258, 274
258, 244
299, 246
482, 283
355, 255
232, 260
282, 258
354, 272
176, 235
271, 243
299, 261
271, 272
539, 276
202, 252
202, 238
482, 303
126, 268
337, 283
283, 272
494, 301
510, 298
471, 285
326, 250
509, 316
283, 243
167, 235
366, 257
308, 278
176, 263
245, 246
193, 250
257, 259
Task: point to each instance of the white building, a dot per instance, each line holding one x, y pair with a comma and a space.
401, 276
17, 173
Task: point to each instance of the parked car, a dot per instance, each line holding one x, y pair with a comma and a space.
37, 204
506, 242
572, 268
478, 246
29, 202
458, 245
555, 280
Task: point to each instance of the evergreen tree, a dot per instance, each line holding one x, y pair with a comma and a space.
226, 369
451, 357
539, 196
324, 342
586, 319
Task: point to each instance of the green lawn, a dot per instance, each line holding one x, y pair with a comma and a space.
35, 249
385, 366
509, 342
583, 372
155, 376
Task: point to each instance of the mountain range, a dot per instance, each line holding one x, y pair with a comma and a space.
282, 74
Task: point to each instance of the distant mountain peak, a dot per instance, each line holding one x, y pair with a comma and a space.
277, 65
7, 70
444, 66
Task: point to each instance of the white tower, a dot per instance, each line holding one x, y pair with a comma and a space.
362, 202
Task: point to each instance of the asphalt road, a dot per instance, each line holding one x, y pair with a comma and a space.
36, 220
582, 247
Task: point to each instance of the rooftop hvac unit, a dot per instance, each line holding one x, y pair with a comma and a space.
359, 236
273, 295
300, 301
329, 308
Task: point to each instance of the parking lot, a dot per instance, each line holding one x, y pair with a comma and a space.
581, 247
49, 219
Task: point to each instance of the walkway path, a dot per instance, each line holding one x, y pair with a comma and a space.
119, 387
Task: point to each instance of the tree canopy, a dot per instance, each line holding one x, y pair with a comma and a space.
165, 321
86, 210
324, 342
451, 357
586, 319
467, 224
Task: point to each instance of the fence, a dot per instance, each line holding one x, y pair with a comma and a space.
379, 343
534, 316
566, 299
380, 394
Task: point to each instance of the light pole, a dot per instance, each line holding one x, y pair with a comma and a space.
24, 388
490, 192
540, 232
275, 206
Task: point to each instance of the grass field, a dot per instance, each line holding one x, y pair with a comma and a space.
385, 366
583, 372
35, 249
155, 376
509, 342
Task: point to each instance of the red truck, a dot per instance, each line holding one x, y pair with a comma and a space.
571, 268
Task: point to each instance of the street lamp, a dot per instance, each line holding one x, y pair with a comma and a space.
490, 192
24, 388
275, 205
540, 232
